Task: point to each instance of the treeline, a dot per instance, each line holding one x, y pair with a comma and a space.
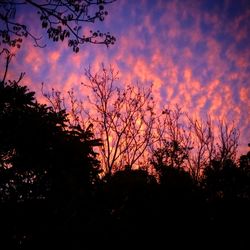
117, 174
54, 191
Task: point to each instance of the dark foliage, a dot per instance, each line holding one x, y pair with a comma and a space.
226, 187
51, 194
47, 169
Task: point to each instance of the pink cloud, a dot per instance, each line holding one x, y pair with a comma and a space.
154, 46
54, 56
245, 95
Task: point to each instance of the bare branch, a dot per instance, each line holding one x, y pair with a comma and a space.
8, 57
125, 118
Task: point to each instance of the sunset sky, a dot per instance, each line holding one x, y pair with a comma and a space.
196, 53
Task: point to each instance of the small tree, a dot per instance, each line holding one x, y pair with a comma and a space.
122, 117
209, 145
171, 143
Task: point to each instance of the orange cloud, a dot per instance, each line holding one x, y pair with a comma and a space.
54, 56
196, 58
245, 95
34, 59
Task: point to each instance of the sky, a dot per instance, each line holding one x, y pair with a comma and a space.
196, 54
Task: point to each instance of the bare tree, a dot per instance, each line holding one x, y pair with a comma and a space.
61, 19
227, 142
134, 135
171, 141
203, 147
180, 141
122, 117
210, 142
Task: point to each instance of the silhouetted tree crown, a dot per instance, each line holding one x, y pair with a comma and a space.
39, 150
228, 180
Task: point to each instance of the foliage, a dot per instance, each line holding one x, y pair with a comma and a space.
61, 19
51, 192
50, 186
228, 180
47, 168
36, 143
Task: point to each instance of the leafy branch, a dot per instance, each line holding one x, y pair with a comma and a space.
62, 20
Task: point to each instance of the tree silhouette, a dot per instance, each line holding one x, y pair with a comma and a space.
244, 165
61, 19
47, 169
50, 186
135, 134
207, 144
51, 192
123, 119
129, 197
171, 142
226, 186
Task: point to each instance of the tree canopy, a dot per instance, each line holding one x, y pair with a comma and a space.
52, 193
43, 160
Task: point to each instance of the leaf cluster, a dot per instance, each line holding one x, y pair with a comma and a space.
62, 20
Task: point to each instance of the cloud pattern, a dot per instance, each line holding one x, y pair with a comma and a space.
196, 54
